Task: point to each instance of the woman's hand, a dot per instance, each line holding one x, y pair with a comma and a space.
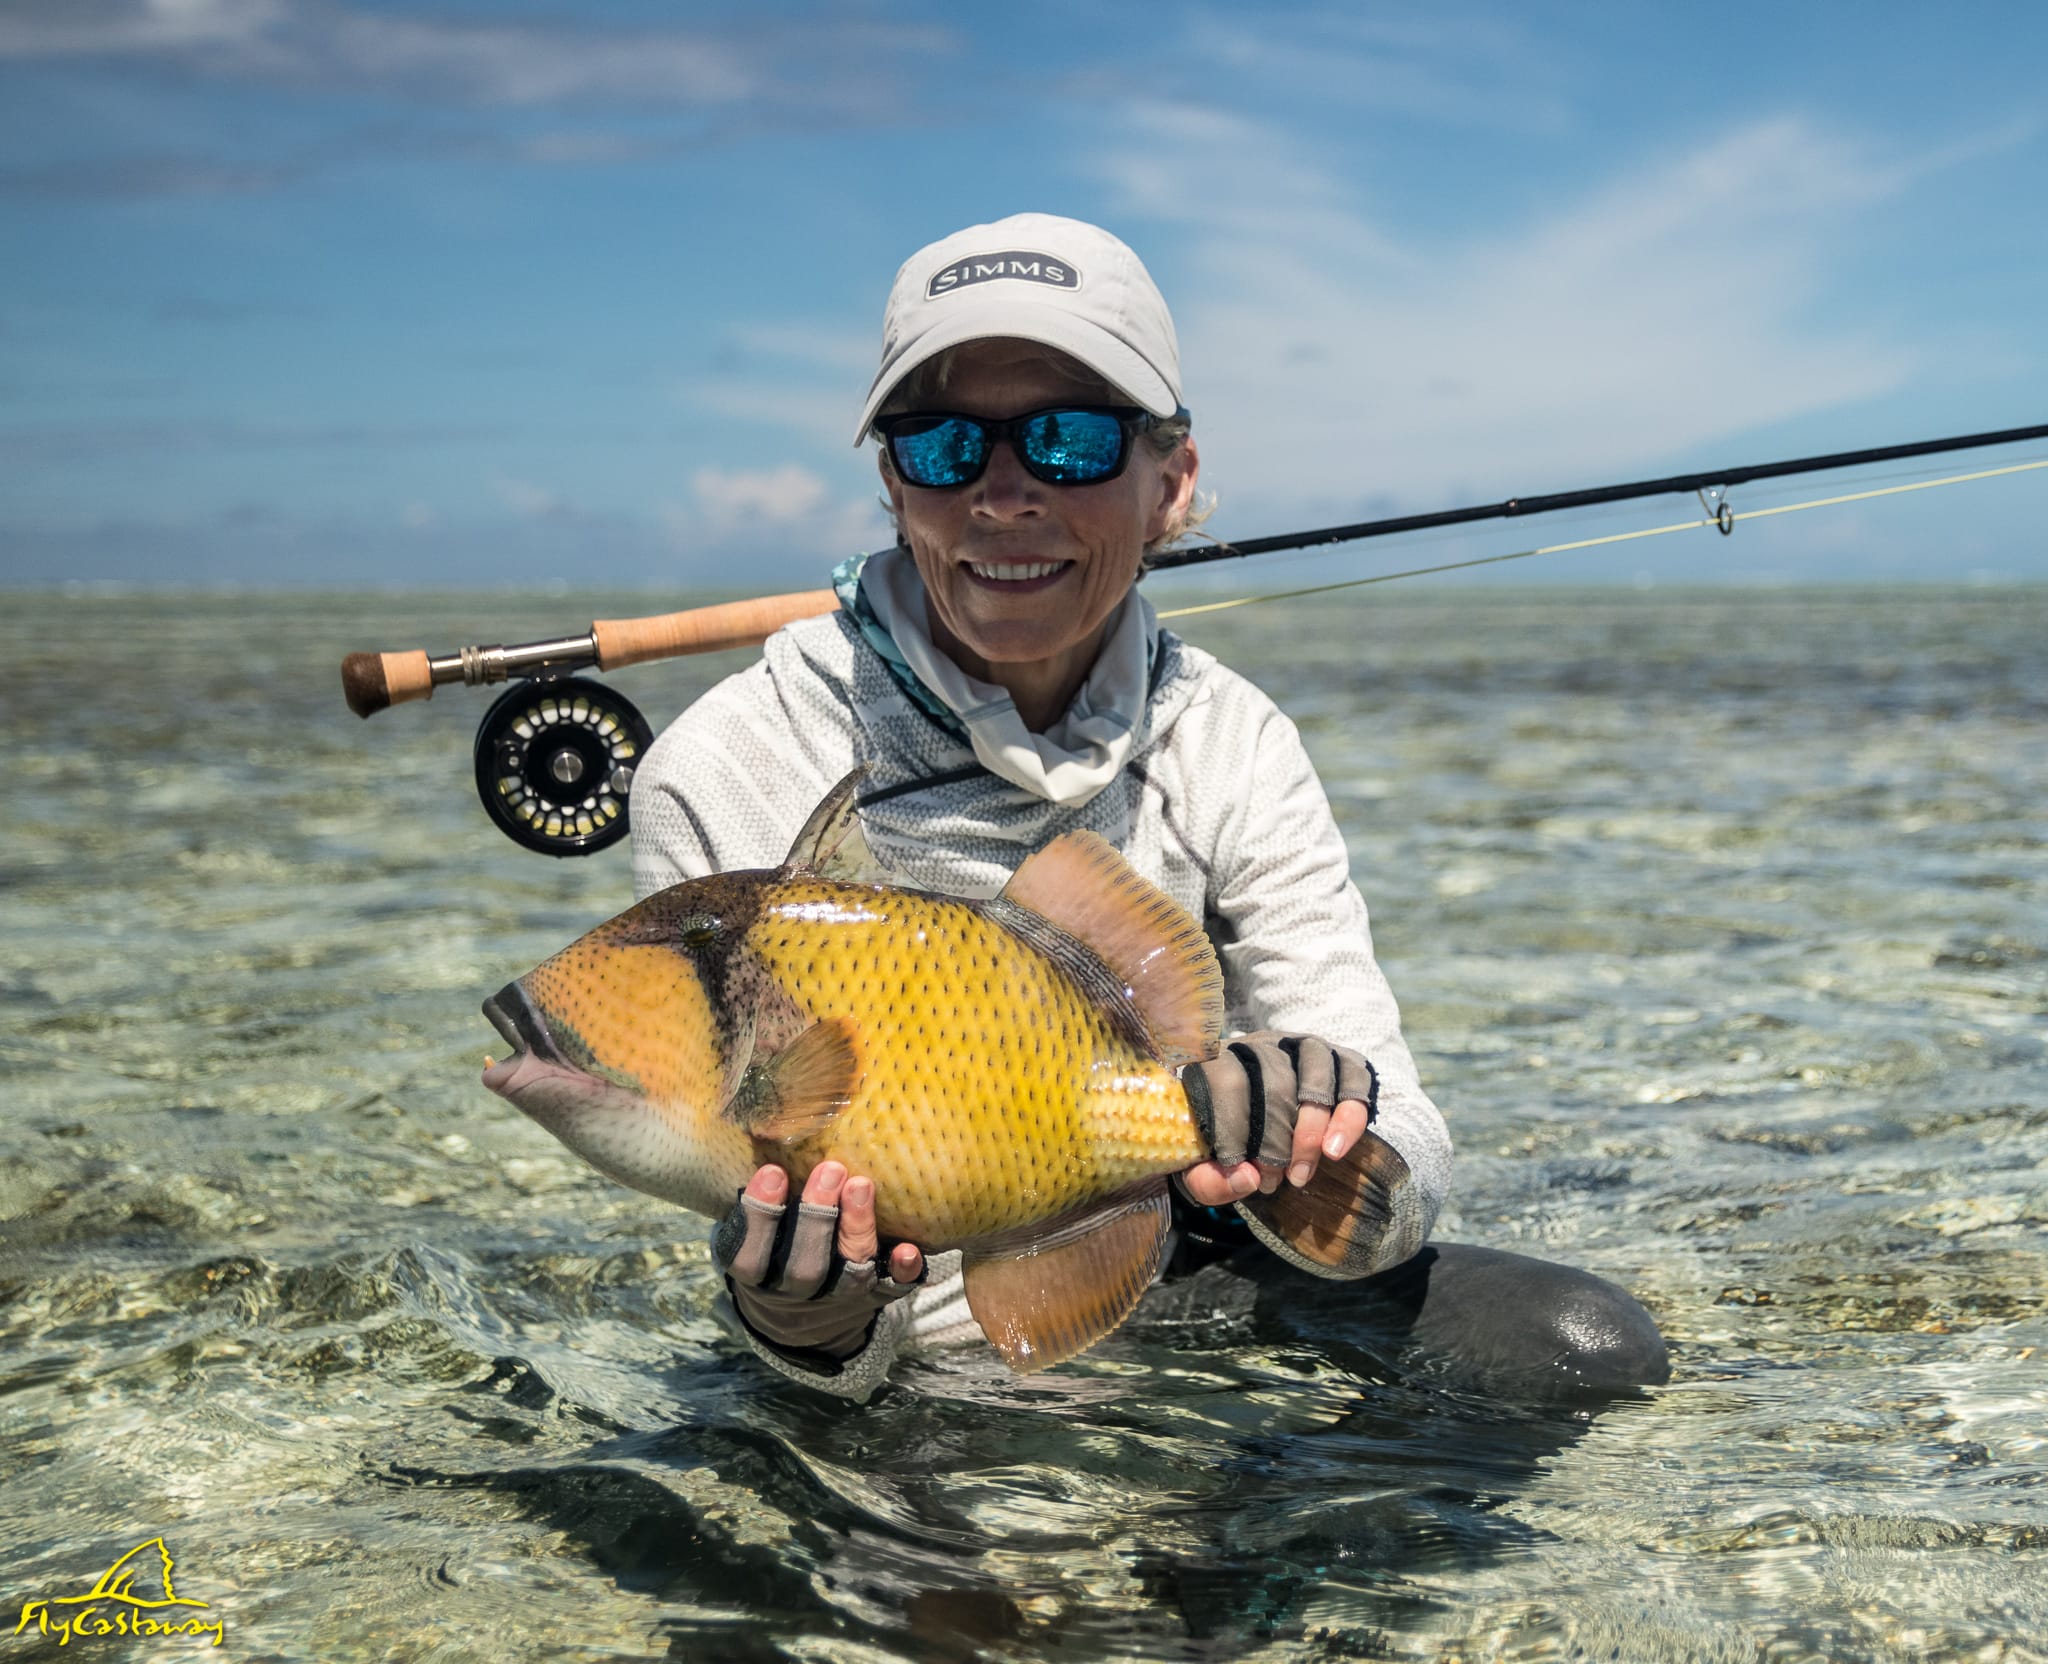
805, 1279
1273, 1106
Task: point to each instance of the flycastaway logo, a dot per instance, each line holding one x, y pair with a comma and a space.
1012, 262
111, 1606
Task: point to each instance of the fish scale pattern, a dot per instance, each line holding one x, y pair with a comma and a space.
992, 1093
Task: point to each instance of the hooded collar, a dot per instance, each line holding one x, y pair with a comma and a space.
1067, 764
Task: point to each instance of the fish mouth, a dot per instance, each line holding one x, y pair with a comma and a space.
514, 1015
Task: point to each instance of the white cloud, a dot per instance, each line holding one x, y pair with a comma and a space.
772, 496
329, 46
1455, 72
80, 27
806, 379
816, 345
533, 502
787, 515
1330, 358
821, 413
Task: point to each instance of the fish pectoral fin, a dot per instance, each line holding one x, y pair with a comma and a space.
1090, 894
1041, 1303
831, 844
796, 1092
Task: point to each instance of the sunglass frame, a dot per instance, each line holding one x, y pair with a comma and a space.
1131, 420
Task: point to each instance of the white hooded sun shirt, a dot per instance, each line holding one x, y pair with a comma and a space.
1181, 764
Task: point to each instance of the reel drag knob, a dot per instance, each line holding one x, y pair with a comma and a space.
554, 764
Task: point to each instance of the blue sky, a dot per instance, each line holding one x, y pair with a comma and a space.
335, 294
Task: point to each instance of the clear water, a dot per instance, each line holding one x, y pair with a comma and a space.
1721, 925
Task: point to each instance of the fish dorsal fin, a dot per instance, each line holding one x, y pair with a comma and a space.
1048, 1301
1081, 885
798, 1091
832, 845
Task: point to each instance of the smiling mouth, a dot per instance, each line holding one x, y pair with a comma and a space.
1017, 574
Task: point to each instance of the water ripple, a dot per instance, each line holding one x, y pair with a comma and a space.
1721, 927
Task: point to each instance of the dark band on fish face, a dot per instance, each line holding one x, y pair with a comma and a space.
1103, 988
705, 923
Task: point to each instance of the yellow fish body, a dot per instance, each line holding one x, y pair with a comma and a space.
1005, 1071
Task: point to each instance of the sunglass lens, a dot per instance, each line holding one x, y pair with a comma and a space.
1073, 447
944, 452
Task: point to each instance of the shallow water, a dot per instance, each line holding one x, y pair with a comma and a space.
1720, 923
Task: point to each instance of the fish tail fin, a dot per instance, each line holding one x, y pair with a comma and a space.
1354, 1217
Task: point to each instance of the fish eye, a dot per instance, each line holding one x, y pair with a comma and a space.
700, 933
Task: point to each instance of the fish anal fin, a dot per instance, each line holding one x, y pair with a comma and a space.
798, 1091
831, 844
1353, 1217
1081, 885
1043, 1304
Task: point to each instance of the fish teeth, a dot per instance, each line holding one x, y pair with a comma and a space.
1020, 572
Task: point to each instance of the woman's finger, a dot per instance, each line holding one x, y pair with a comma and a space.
822, 1188
1347, 1125
1310, 1123
857, 1239
815, 1234
745, 1242
906, 1262
1210, 1184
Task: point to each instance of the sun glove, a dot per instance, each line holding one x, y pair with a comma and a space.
791, 1287
1245, 1100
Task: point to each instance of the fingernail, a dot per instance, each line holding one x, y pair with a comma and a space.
1300, 1173
1334, 1144
1244, 1181
860, 1190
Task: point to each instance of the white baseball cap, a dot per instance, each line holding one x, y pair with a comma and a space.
1032, 277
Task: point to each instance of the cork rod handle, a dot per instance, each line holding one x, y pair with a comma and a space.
624, 641
371, 681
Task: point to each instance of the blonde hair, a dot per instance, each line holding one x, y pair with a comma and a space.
1165, 436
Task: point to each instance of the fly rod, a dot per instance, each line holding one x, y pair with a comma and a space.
555, 756
1708, 484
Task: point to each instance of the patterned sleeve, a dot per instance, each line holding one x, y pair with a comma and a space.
1297, 954
724, 788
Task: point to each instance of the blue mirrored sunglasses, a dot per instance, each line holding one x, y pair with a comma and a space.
1066, 445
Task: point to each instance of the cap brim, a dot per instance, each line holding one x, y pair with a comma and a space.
1011, 320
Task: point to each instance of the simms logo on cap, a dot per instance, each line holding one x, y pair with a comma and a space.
1013, 262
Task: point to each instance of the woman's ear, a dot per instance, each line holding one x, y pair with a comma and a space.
1178, 474
892, 487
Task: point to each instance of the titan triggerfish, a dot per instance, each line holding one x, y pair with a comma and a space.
1005, 1071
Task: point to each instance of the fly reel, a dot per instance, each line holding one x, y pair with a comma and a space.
554, 764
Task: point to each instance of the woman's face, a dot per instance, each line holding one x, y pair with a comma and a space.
978, 547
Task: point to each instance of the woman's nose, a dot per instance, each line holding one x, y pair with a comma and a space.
1005, 491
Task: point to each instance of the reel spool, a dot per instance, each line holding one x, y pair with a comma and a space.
554, 764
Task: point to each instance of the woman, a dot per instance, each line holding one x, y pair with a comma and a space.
1003, 682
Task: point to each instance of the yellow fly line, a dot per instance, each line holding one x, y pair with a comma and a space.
1613, 537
